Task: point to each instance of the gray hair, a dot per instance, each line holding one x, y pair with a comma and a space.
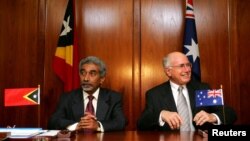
166, 61
96, 61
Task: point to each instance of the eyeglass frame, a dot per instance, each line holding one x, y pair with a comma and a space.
182, 66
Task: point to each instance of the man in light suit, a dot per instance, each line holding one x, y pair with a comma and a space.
71, 111
161, 112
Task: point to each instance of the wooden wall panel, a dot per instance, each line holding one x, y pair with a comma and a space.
53, 86
214, 43
136, 76
161, 33
21, 57
234, 87
243, 67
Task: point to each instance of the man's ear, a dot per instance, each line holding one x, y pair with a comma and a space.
167, 71
102, 80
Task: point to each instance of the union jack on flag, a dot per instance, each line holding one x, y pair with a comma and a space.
214, 93
209, 97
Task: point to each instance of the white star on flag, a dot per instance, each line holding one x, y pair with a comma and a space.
193, 50
67, 28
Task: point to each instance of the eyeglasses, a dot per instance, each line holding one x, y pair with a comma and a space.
182, 66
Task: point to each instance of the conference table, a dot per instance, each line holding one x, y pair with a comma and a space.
126, 136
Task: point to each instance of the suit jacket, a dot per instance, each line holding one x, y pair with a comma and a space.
71, 108
161, 98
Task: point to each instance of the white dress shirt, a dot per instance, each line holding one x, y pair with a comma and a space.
174, 88
94, 102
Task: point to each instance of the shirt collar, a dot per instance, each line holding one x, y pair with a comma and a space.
95, 94
175, 86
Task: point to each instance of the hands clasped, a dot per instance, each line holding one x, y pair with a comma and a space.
88, 121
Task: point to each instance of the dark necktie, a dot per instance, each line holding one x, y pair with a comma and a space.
91, 110
182, 108
90, 107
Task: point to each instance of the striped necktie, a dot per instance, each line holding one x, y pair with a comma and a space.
182, 108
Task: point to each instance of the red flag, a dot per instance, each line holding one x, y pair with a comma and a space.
65, 61
22, 96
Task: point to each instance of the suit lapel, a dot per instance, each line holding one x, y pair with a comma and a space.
168, 98
191, 95
77, 104
102, 104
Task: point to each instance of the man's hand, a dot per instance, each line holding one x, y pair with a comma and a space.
202, 117
88, 121
173, 119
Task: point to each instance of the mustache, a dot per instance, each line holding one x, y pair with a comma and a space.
85, 83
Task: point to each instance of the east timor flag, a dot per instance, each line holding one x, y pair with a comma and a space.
21, 96
65, 61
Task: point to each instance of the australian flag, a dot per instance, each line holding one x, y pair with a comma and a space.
209, 97
190, 45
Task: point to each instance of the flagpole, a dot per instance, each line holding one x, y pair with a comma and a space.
223, 108
39, 109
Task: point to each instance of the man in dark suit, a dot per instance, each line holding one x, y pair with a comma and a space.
161, 109
105, 112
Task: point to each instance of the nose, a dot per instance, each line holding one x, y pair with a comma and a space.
86, 77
